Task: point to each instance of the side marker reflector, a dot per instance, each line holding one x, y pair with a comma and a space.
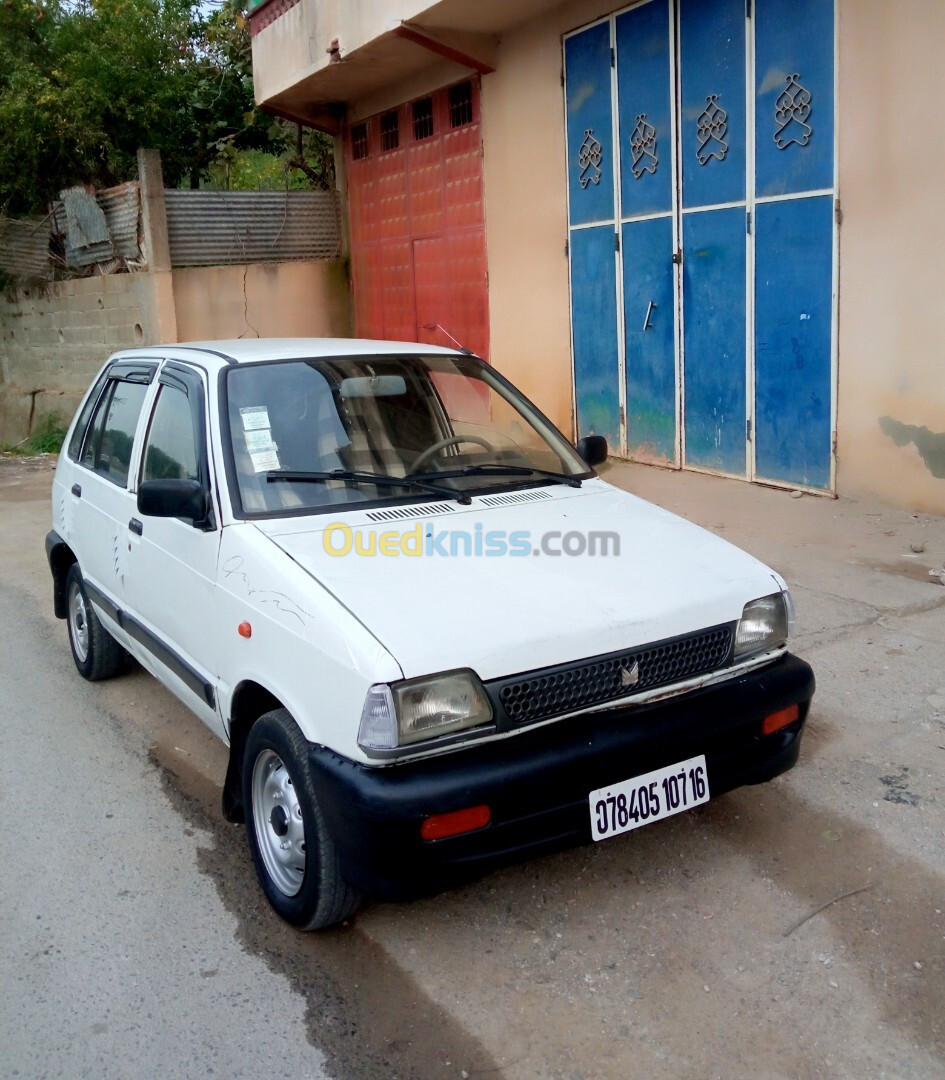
439, 826
780, 719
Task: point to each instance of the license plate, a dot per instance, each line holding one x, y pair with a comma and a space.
650, 797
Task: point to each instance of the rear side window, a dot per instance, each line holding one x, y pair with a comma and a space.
75, 443
90, 453
111, 440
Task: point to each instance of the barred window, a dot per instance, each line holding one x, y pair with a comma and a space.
423, 118
359, 143
461, 110
390, 131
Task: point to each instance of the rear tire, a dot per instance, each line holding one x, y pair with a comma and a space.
96, 653
295, 858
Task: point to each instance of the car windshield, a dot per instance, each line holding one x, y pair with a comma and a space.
322, 433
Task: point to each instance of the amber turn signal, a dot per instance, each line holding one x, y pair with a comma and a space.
440, 826
244, 630
780, 719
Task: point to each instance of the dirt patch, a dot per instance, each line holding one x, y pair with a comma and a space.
26, 463
24, 479
914, 567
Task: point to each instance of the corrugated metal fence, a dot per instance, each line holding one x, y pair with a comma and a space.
24, 248
99, 233
213, 228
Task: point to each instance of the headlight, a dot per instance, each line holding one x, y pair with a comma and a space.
765, 624
419, 709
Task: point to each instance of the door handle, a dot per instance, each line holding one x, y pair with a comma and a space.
136, 526
649, 312
77, 491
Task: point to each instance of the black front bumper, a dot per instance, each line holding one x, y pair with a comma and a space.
537, 783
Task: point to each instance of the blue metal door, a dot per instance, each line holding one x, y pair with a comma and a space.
592, 233
646, 125
708, 341
794, 240
712, 150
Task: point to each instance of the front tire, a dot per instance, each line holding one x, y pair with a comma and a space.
295, 858
96, 653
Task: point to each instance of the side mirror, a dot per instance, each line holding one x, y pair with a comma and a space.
174, 499
593, 448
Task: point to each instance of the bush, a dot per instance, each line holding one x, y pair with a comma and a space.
46, 439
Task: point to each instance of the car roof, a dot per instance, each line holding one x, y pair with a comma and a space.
253, 350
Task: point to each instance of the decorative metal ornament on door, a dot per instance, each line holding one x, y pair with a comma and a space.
792, 111
711, 129
643, 148
589, 158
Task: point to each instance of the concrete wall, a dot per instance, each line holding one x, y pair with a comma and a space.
298, 299
53, 339
295, 46
891, 429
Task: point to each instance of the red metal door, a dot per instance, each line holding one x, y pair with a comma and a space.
431, 289
417, 228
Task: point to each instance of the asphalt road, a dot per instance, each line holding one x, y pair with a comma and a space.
135, 942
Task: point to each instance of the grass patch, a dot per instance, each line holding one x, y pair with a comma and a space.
46, 439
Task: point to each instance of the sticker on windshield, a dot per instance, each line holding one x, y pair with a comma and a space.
264, 460
255, 417
259, 440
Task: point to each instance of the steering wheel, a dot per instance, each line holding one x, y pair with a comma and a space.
423, 457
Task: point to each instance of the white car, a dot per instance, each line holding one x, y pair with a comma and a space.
432, 637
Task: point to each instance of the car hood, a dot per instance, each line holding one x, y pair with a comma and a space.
502, 614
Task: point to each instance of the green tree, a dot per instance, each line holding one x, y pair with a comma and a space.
301, 160
84, 83
294, 158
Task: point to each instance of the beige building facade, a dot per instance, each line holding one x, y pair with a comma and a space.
342, 67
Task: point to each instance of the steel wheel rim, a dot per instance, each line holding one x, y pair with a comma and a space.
277, 820
79, 623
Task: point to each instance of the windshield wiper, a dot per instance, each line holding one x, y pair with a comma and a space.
378, 479
498, 469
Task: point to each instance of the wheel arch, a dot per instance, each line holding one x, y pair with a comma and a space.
250, 700
60, 557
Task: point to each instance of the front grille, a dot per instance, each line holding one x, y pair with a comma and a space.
568, 687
